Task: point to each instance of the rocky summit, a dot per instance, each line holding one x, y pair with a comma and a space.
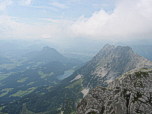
108, 64
130, 93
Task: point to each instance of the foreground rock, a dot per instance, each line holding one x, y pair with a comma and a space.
130, 93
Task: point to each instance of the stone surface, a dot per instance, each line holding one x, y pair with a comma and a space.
108, 64
130, 93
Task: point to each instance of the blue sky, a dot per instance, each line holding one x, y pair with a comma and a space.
60, 20
56, 9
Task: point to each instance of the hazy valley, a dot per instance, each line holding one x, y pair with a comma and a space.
45, 81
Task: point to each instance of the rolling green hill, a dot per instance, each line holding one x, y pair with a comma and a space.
22, 83
47, 55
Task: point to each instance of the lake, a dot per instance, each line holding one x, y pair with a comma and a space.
65, 75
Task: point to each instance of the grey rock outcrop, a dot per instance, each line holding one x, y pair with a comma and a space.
130, 93
110, 63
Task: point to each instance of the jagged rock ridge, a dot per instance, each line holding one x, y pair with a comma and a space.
130, 93
108, 64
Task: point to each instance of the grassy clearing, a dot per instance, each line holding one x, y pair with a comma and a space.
9, 66
78, 82
49, 87
22, 80
37, 64
3, 76
42, 74
55, 82
5, 91
27, 67
30, 83
51, 73
21, 93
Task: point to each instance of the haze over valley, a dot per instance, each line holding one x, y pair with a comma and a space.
75, 57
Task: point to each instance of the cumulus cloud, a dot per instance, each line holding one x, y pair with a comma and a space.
4, 4
26, 2
9, 28
46, 36
12, 29
50, 19
129, 18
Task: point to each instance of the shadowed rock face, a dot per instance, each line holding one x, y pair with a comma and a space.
130, 93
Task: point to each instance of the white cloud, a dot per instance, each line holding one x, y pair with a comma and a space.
59, 5
129, 18
15, 30
10, 28
26, 2
4, 4
46, 36
50, 19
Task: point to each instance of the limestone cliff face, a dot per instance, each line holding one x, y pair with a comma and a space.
130, 93
110, 63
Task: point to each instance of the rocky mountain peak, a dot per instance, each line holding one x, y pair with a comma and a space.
109, 52
108, 46
47, 48
130, 93
47, 55
110, 63
127, 48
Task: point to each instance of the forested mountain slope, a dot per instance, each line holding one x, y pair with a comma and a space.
108, 64
22, 83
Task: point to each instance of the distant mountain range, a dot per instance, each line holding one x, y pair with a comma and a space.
143, 50
108, 64
14, 49
47, 55
38, 58
39, 69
